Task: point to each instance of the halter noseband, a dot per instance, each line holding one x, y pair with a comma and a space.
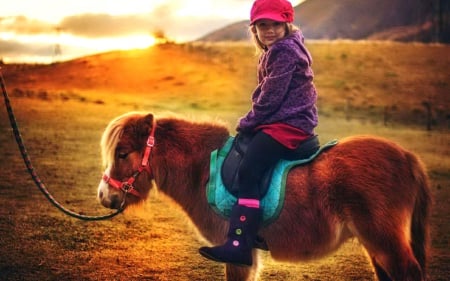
127, 186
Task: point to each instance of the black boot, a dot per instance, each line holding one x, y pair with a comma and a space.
244, 225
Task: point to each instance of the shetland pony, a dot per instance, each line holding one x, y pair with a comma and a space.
364, 187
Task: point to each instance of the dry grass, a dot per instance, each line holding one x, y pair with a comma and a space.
63, 109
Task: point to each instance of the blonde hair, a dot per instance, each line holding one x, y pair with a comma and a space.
112, 134
260, 47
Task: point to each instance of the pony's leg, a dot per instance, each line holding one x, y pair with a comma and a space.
390, 250
397, 263
243, 273
379, 272
239, 273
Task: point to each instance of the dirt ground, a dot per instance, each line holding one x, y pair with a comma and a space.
153, 243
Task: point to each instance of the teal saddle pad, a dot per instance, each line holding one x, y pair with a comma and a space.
221, 200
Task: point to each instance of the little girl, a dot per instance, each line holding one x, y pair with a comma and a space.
283, 115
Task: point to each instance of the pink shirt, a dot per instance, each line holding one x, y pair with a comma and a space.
287, 135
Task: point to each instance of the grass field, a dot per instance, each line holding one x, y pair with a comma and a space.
62, 109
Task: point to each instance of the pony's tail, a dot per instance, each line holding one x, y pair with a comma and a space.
421, 214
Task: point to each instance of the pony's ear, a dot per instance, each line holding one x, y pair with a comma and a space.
148, 120
147, 124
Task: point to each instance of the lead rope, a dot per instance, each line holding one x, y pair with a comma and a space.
41, 186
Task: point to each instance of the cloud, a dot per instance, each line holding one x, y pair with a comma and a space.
168, 18
13, 48
178, 20
185, 20
24, 25
163, 18
104, 25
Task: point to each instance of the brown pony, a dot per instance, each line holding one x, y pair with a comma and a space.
364, 187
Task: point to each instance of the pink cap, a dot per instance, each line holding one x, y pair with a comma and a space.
277, 10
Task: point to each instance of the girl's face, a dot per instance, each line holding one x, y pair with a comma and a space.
269, 31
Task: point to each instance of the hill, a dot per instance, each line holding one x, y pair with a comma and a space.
369, 80
154, 77
399, 20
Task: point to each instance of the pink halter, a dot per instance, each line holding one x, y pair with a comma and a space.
127, 186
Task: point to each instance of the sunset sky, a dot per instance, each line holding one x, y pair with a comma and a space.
50, 30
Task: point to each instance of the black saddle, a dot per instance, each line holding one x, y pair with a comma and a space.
230, 167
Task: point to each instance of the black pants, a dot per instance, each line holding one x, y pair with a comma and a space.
262, 153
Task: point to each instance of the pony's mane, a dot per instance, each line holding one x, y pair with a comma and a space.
114, 130
112, 134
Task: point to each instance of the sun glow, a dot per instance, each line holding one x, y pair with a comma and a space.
112, 43
66, 46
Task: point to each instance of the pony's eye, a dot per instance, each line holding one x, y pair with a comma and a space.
122, 155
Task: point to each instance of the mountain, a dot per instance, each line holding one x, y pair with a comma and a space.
399, 20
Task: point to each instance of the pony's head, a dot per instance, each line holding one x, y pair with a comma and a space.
126, 146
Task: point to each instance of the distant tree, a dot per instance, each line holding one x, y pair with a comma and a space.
160, 37
57, 51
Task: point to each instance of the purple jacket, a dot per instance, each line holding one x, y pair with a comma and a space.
285, 91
